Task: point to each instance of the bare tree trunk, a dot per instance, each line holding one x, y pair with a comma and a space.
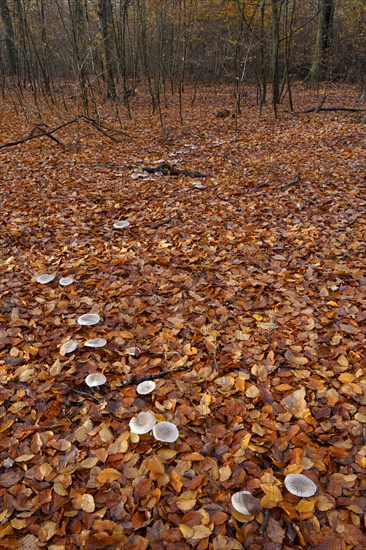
262, 80
289, 19
78, 19
9, 37
319, 67
276, 15
106, 25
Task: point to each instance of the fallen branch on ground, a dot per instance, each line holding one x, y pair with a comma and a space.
321, 108
167, 169
292, 182
49, 133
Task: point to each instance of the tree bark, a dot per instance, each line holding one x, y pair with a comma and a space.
78, 21
106, 26
9, 37
276, 14
324, 36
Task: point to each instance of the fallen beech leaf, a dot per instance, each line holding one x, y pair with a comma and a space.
47, 531
24, 458
186, 530
108, 475
186, 501
155, 465
271, 497
325, 503
295, 403
29, 542
306, 505
87, 503
18, 523
81, 433
201, 532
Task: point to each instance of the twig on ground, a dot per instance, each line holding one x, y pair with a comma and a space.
86, 394
293, 182
49, 133
167, 169
320, 107
264, 525
164, 222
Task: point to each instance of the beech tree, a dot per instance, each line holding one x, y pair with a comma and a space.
10, 43
106, 27
319, 66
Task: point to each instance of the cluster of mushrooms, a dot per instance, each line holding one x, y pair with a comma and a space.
296, 484
144, 422
167, 432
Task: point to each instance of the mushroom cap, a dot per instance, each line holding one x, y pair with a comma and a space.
45, 278
300, 485
166, 431
65, 281
95, 379
146, 387
95, 343
89, 319
134, 351
142, 423
69, 346
121, 224
238, 503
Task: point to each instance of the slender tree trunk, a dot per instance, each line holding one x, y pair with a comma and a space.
324, 36
106, 26
276, 14
45, 51
9, 37
262, 79
78, 22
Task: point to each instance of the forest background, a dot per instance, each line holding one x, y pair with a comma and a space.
112, 47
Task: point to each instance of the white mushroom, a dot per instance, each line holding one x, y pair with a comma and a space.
95, 380
134, 351
300, 485
89, 319
121, 224
69, 347
237, 500
142, 423
65, 281
95, 343
146, 387
45, 278
198, 185
166, 431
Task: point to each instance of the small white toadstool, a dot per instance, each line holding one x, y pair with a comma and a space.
166, 431
95, 343
89, 319
142, 423
69, 347
133, 351
121, 224
198, 185
146, 387
300, 485
237, 501
65, 281
45, 278
95, 380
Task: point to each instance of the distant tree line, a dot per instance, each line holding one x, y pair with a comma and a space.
112, 46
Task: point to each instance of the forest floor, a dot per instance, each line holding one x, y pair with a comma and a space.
241, 293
